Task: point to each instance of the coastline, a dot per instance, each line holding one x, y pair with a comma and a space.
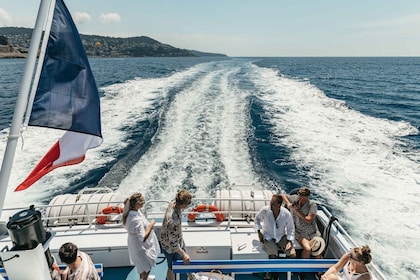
13, 55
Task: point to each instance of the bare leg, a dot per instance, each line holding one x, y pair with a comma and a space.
306, 253
170, 275
144, 275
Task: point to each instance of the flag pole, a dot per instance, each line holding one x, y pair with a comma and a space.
22, 100
40, 64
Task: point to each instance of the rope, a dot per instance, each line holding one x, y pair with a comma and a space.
327, 233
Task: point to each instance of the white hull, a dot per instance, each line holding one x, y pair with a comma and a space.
233, 239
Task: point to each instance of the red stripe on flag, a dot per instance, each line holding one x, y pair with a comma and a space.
47, 165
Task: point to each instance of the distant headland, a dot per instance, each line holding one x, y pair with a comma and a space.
14, 43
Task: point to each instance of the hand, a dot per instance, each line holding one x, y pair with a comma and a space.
289, 245
153, 222
186, 259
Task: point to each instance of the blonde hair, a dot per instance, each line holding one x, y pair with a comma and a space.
363, 254
130, 203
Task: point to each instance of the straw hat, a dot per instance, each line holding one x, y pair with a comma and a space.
317, 245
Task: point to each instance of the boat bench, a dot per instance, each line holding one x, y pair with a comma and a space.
253, 266
98, 266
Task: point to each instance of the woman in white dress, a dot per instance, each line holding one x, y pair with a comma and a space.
143, 245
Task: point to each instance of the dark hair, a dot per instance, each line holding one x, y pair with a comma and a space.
183, 197
279, 198
68, 253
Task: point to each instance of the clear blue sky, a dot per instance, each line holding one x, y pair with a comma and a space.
248, 27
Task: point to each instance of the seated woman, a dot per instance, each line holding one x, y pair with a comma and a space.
353, 265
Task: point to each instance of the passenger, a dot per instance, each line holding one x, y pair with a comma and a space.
79, 264
171, 236
353, 264
276, 224
304, 216
143, 245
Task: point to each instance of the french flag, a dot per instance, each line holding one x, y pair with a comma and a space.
67, 98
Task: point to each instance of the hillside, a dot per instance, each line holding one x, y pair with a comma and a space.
14, 42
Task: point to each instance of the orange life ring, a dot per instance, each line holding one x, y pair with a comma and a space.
205, 208
108, 210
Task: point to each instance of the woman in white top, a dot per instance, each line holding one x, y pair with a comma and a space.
353, 264
143, 245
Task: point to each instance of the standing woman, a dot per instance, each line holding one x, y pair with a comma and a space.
143, 245
353, 265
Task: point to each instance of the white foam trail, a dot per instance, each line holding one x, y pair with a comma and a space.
122, 105
202, 141
357, 163
203, 137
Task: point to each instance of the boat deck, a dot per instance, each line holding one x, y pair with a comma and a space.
160, 274
232, 240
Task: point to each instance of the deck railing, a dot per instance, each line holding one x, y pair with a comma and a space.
254, 266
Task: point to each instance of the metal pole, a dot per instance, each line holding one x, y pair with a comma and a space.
21, 102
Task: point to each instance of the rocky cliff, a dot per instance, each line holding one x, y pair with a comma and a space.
100, 46
7, 50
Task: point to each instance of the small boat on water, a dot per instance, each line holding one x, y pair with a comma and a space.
220, 237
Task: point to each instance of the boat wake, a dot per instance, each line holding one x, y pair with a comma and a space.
193, 129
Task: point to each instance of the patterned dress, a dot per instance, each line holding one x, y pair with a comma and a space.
302, 229
171, 234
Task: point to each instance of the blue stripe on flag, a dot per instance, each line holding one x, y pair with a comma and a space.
67, 96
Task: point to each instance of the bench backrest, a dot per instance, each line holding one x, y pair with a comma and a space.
250, 266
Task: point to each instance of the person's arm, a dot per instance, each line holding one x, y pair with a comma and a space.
290, 228
286, 200
65, 274
185, 256
149, 229
260, 236
258, 227
308, 218
336, 267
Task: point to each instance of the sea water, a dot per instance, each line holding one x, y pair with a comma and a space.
345, 127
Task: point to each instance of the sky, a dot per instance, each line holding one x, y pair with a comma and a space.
247, 27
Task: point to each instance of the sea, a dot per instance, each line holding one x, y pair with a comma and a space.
346, 127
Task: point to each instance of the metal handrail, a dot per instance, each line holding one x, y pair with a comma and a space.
252, 266
73, 218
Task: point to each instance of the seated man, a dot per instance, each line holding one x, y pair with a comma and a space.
79, 264
276, 224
